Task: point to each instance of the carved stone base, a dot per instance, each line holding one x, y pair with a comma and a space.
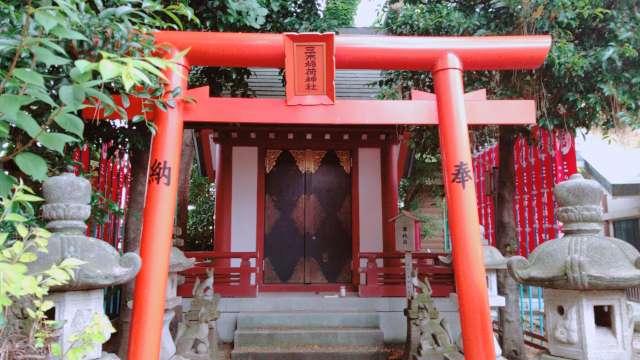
109, 356
75, 309
551, 357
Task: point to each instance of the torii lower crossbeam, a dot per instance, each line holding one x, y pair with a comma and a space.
445, 57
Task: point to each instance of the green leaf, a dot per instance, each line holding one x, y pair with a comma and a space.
10, 105
72, 95
19, 196
28, 257
15, 217
29, 76
70, 123
84, 65
46, 19
127, 78
4, 130
32, 165
71, 263
64, 33
40, 94
25, 122
6, 183
55, 141
23, 232
109, 69
49, 58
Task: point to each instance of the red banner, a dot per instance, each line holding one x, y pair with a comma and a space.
540, 163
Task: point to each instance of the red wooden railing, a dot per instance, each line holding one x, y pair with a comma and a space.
234, 273
382, 274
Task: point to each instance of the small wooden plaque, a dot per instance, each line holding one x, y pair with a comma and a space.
310, 68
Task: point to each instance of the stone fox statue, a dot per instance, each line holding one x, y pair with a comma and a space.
196, 338
204, 289
430, 335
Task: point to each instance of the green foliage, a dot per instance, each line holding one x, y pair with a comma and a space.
590, 77
24, 327
250, 16
342, 12
57, 58
97, 331
202, 203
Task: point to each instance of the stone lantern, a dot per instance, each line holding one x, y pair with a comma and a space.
67, 206
584, 276
493, 262
173, 303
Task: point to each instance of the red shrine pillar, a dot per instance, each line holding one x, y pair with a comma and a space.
159, 210
471, 285
222, 237
389, 166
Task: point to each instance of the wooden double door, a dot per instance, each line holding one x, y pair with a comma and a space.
307, 217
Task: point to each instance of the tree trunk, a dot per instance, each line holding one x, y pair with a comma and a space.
133, 232
186, 162
506, 241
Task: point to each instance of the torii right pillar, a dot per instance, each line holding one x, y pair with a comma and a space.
463, 215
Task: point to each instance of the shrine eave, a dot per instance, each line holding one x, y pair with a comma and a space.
349, 112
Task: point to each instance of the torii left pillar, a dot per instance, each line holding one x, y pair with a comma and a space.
160, 206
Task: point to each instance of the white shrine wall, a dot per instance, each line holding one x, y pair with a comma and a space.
370, 199
244, 198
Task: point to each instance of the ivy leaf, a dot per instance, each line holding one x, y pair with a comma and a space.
70, 123
32, 165
55, 141
29, 76
48, 57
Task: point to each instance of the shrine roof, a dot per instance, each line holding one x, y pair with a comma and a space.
350, 84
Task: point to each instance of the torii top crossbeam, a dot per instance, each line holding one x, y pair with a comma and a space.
365, 51
445, 57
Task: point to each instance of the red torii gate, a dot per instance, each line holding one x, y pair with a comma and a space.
445, 57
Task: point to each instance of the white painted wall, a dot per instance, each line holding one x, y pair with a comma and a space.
244, 197
370, 199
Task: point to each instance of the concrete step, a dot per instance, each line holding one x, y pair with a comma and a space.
283, 337
300, 319
309, 353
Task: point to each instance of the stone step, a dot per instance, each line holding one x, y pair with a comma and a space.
283, 337
309, 353
300, 319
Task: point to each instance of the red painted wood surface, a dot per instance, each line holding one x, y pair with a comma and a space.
364, 52
296, 69
236, 279
379, 279
348, 112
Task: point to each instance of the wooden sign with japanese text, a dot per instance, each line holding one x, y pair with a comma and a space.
309, 68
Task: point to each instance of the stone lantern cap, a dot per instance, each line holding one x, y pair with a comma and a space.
582, 259
67, 198
492, 257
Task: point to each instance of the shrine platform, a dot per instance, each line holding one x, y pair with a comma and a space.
323, 309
